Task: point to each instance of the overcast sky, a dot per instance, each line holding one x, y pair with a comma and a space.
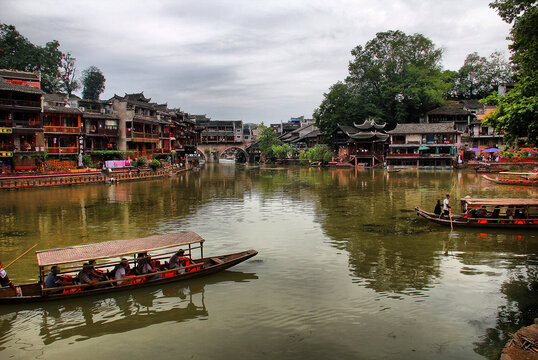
245, 60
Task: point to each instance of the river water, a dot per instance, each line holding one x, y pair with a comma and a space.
345, 268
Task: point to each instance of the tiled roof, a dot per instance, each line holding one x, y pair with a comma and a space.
15, 74
431, 128
62, 109
450, 109
7, 86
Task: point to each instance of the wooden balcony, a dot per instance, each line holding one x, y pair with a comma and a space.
62, 129
21, 103
62, 150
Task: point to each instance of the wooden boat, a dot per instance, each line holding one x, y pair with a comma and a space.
490, 213
525, 182
160, 247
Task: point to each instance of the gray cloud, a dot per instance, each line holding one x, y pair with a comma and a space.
246, 59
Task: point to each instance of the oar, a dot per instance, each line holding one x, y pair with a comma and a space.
26, 252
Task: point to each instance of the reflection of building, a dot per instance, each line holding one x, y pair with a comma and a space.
21, 134
423, 144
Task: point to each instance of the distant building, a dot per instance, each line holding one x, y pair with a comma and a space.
220, 131
434, 144
362, 143
21, 132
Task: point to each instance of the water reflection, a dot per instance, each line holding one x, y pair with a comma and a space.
520, 309
87, 318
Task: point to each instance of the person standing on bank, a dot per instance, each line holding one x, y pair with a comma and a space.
446, 206
5, 281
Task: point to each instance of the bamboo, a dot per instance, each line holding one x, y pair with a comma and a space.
26, 252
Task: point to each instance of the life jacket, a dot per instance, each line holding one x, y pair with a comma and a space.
187, 261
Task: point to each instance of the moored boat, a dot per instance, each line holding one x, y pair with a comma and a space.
108, 253
506, 181
490, 213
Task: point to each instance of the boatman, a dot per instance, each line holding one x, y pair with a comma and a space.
446, 206
4, 280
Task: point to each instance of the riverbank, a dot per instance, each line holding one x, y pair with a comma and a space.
80, 177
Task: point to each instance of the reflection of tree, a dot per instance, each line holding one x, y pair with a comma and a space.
521, 307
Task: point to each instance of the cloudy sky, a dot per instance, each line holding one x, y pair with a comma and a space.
248, 60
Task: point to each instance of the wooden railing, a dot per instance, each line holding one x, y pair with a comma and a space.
62, 150
62, 129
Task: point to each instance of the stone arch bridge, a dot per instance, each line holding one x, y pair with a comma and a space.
216, 150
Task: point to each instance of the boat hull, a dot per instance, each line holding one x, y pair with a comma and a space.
523, 182
459, 221
211, 265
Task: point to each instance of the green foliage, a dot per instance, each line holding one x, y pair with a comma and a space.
339, 106
517, 111
155, 164
87, 160
318, 153
394, 78
282, 151
141, 161
18, 53
93, 82
207, 150
480, 76
266, 140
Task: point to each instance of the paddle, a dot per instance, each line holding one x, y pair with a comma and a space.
26, 252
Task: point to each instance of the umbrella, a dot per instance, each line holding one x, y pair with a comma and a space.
491, 150
474, 149
424, 148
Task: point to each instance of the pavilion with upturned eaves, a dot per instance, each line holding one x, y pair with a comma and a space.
362, 144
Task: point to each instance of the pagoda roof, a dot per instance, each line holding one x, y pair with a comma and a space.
369, 124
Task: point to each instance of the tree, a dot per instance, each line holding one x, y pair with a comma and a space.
281, 151
18, 53
480, 76
517, 111
68, 73
394, 78
266, 140
93, 82
339, 106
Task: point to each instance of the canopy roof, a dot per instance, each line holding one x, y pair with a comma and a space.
114, 248
501, 202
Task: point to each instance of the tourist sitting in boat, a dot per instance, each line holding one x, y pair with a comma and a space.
482, 212
122, 272
178, 260
53, 280
99, 274
144, 267
85, 276
496, 212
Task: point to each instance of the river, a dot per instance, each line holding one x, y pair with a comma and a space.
345, 268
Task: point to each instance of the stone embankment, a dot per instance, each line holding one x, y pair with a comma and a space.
80, 177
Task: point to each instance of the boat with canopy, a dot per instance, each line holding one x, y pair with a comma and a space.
108, 254
490, 213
